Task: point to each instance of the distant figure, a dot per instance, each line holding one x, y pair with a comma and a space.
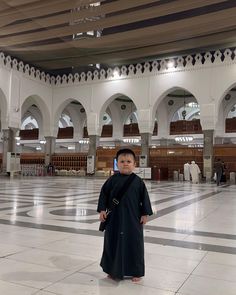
50, 169
194, 171
218, 168
187, 171
223, 177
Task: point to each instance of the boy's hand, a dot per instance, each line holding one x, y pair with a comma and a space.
143, 219
102, 216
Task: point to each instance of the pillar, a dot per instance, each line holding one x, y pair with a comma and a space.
145, 144
208, 154
118, 143
49, 148
163, 142
78, 147
93, 143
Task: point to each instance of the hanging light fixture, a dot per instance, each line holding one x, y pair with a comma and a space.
42, 141
184, 138
77, 20
131, 140
84, 141
184, 113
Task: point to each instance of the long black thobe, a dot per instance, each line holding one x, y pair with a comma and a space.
123, 251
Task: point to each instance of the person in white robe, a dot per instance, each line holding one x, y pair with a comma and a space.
194, 172
187, 171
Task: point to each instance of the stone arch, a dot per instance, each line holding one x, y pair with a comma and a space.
37, 115
116, 112
165, 111
226, 101
44, 116
75, 114
164, 95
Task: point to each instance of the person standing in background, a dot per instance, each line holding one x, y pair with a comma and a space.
218, 167
187, 171
194, 172
223, 177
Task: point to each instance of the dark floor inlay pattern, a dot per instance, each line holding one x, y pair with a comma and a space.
73, 212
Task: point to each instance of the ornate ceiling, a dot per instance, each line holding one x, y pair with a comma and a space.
55, 35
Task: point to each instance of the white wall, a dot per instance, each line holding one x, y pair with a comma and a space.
209, 82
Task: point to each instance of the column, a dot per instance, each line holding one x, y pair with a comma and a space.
93, 143
208, 154
49, 148
78, 147
163, 142
145, 144
118, 143
9, 144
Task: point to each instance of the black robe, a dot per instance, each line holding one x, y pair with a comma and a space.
123, 250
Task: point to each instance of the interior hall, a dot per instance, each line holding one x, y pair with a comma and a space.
80, 80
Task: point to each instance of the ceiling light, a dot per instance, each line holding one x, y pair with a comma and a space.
84, 141
170, 64
115, 74
183, 138
131, 140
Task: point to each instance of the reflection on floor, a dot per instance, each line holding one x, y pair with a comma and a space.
50, 243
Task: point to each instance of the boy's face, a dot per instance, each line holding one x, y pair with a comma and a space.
126, 163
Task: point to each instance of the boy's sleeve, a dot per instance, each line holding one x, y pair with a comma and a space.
104, 195
146, 207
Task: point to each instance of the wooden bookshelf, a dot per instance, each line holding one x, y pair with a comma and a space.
131, 130
230, 125
32, 158
173, 159
105, 157
185, 127
29, 134
107, 131
226, 153
65, 133
75, 161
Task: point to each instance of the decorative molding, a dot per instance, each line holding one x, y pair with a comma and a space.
162, 66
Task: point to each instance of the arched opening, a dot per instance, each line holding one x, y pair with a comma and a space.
185, 117
229, 104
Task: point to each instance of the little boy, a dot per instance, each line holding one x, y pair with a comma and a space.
123, 250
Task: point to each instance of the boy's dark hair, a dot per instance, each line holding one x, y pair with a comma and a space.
125, 152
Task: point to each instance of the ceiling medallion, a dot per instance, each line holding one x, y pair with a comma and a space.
227, 96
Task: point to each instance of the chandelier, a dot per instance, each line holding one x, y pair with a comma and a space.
183, 138
131, 140
76, 20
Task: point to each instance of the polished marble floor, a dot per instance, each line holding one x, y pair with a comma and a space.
50, 243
